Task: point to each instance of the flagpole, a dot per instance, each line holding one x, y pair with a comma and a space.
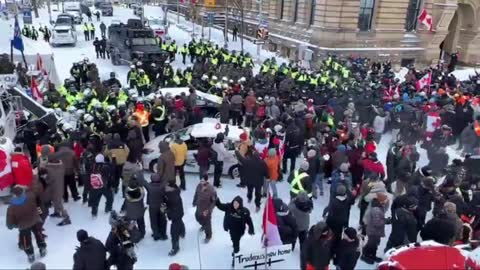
265, 242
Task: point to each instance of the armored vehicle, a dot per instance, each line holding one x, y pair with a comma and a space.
133, 42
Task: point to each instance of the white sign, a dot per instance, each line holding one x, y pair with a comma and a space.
8, 80
256, 260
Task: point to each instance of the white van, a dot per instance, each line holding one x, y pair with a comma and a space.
64, 31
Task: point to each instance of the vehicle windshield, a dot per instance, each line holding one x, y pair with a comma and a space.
184, 134
64, 21
143, 41
106, 5
154, 22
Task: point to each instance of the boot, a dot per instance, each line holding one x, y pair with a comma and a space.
367, 259
65, 221
206, 240
56, 215
377, 259
43, 252
173, 252
163, 238
31, 258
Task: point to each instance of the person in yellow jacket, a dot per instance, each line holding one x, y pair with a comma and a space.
117, 151
86, 31
91, 29
180, 150
300, 181
143, 83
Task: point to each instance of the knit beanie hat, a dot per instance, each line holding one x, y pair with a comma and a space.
311, 153
304, 165
341, 190
99, 158
243, 136
82, 235
351, 233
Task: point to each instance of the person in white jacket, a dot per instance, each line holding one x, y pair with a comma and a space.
379, 125
219, 147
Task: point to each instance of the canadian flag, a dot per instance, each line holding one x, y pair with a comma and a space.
39, 65
6, 175
426, 19
424, 81
36, 94
433, 123
271, 235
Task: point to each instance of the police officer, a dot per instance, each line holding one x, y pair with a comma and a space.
132, 76
183, 52
158, 117
113, 82
143, 83
86, 31
91, 28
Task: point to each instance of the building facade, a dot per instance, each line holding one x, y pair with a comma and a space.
379, 29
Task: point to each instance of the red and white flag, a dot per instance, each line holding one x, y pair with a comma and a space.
6, 175
39, 65
36, 94
434, 122
271, 235
424, 81
426, 19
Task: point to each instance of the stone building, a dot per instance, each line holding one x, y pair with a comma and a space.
375, 28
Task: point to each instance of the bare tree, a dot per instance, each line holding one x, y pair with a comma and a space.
35, 8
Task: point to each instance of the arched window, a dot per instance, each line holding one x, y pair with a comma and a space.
313, 6
412, 15
365, 15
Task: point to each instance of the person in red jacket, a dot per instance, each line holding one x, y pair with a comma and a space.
371, 164
21, 168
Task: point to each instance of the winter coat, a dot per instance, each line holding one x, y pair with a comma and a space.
91, 255
129, 169
117, 151
293, 142
67, 156
468, 136
250, 103
224, 112
235, 220
179, 150
339, 177
56, 174
374, 219
22, 212
222, 153
106, 171
338, 212
318, 247
301, 207
424, 196
155, 190
273, 166
174, 203
204, 198
287, 226
339, 157
135, 142
404, 227
379, 124
438, 160
273, 111
372, 166
404, 170
254, 169
203, 156
236, 103
166, 163
393, 158
456, 222
134, 206
348, 254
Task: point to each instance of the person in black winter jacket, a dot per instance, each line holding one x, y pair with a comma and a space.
438, 158
255, 172
91, 254
97, 44
348, 250
134, 206
424, 192
293, 145
287, 226
338, 214
156, 209
317, 251
404, 223
121, 249
236, 218
174, 204
101, 184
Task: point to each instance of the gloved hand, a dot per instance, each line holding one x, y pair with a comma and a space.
250, 231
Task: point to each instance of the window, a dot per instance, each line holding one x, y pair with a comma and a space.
365, 15
412, 15
313, 6
295, 11
282, 5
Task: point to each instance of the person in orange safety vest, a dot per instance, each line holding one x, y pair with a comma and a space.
143, 116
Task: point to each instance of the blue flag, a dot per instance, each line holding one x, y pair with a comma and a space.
17, 41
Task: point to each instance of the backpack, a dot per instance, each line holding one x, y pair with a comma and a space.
96, 181
261, 112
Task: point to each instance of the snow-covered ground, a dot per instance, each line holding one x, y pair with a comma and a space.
194, 253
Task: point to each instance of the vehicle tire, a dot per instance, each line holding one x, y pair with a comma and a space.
153, 166
234, 172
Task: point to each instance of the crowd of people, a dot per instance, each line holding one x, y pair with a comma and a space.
318, 130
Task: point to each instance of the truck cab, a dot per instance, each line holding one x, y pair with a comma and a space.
74, 9
64, 31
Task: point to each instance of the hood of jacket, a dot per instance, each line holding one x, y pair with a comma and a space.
281, 208
302, 202
134, 194
164, 147
20, 200
239, 200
